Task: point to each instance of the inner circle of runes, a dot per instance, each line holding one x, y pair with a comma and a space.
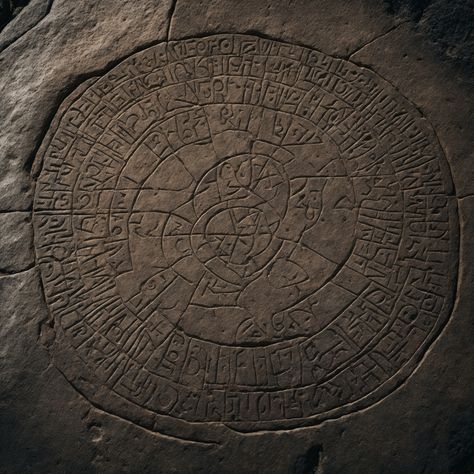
233, 230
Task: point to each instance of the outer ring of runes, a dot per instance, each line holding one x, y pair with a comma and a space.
233, 230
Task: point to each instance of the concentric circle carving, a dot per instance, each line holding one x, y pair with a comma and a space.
236, 230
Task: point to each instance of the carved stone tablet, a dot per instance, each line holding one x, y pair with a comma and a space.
241, 231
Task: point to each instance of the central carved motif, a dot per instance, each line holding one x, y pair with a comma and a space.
230, 230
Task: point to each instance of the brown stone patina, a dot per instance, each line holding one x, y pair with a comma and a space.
233, 230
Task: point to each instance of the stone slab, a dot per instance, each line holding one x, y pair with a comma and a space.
59, 411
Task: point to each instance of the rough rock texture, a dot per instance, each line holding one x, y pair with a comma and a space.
16, 251
52, 422
41, 67
448, 26
20, 19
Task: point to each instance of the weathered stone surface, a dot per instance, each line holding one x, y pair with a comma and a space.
74, 41
335, 27
446, 25
202, 202
22, 311
20, 22
16, 242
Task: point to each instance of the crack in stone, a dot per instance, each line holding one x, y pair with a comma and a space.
9, 273
378, 37
170, 16
15, 39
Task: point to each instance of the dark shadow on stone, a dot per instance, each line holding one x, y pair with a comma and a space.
9, 9
414, 8
447, 24
461, 445
308, 463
